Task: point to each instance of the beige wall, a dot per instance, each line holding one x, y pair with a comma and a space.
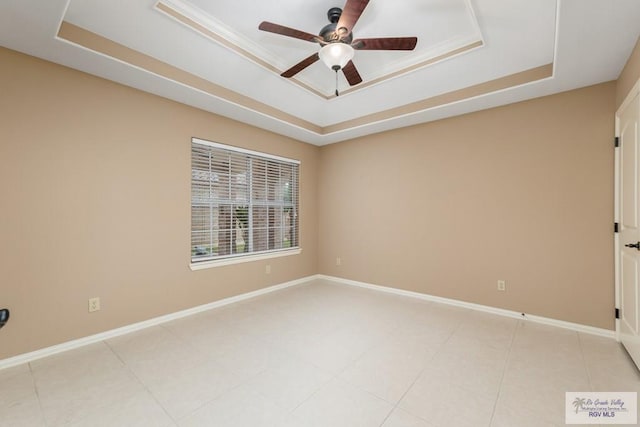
629, 76
95, 190
522, 193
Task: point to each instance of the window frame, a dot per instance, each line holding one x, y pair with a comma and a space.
235, 258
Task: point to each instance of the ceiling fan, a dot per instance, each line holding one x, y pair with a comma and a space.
338, 45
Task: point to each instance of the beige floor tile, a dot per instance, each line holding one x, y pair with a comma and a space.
237, 314
598, 348
442, 315
534, 341
423, 331
14, 370
66, 401
85, 362
339, 404
154, 352
537, 383
390, 368
183, 391
544, 371
15, 388
339, 349
461, 372
400, 418
216, 339
76, 383
492, 330
19, 404
195, 325
522, 416
469, 363
290, 382
241, 407
138, 410
546, 401
249, 357
610, 367
264, 326
445, 404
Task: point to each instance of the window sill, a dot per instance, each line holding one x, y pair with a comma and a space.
241, 259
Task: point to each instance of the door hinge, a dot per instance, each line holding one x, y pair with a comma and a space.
616, 227
617, 313
616, 141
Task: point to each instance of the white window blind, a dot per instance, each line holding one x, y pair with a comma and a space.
242, 202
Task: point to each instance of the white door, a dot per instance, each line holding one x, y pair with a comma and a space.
628, 211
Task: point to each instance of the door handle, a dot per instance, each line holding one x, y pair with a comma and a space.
634, 245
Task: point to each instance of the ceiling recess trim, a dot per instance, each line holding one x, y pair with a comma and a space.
99, 44
209, 27
502, 83
94, 42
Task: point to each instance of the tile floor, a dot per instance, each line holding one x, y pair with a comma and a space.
321, 355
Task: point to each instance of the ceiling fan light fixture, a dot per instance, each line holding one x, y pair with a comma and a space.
336, 55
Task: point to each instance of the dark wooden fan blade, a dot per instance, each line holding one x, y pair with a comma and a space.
350, 14
351, 74
386, 43
301, 66
289, 32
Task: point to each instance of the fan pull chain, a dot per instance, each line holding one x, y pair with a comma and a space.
337, 94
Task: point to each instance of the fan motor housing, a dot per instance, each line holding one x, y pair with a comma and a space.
329, 33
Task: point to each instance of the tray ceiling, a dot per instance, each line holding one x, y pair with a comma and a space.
471, 54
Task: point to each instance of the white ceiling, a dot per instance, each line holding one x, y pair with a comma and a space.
587, 41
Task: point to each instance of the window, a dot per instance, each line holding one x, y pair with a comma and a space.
243, 202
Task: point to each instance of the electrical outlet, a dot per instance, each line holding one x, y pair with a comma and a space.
267, 269
502, 285
338, 261
94, 304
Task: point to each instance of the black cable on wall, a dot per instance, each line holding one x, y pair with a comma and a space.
4, 317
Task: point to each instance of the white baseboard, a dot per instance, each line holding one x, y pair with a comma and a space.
70, 345
485, 308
